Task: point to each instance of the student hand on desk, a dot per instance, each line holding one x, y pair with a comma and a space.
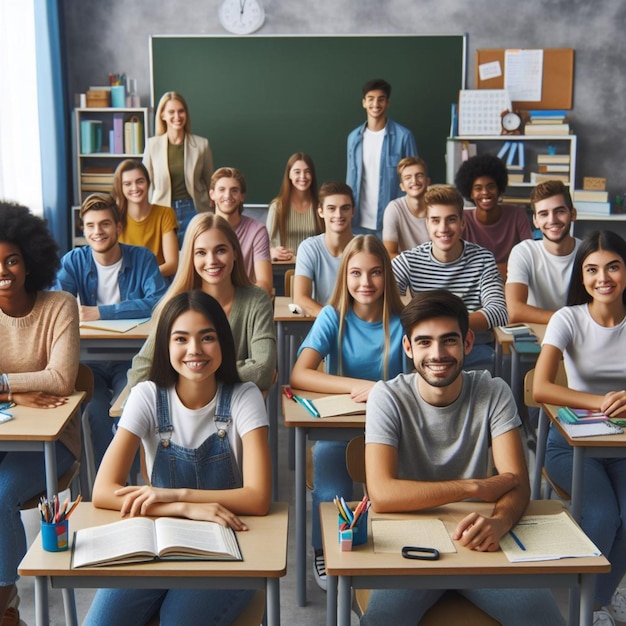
480, 533
281, 254
614, 404
361, 392
38, 400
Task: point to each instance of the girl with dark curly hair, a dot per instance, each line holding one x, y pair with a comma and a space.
38, 367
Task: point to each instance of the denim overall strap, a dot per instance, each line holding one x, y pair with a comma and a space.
210, 466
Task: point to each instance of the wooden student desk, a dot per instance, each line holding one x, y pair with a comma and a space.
503, 344
342, 428
264, 549
39, 429
103, 345
467, 569
611, 446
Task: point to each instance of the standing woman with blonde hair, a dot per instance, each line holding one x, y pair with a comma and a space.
292, 216
359, 335
179, 163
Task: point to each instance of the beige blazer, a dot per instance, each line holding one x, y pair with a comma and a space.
198, 170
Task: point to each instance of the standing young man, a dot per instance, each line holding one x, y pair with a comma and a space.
429, 437
112, 281
228, 192
404, 222
374, 150
464, 268
318, 258
538, 273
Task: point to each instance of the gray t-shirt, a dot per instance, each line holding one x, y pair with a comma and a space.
440, 443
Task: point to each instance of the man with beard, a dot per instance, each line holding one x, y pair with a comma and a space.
428, 437
112, 281
539, 271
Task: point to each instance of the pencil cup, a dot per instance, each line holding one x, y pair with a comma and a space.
118, 96
355, 536
54, 537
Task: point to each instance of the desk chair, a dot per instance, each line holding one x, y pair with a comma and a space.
452, 609
542, 438
289, 274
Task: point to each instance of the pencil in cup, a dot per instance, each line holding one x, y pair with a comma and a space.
355, 521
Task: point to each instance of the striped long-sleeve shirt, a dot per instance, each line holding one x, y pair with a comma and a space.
474, 277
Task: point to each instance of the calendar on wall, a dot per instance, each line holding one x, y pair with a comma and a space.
480, 111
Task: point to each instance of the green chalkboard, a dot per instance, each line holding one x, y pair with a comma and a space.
260, 99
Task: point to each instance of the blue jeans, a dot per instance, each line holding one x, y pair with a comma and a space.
109, 380
330, 479
185, 210
603, 506
513, 607
22, 476
176, 607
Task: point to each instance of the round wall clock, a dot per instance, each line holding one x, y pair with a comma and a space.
241, 17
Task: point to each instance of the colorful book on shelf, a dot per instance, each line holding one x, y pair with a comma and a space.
118, 134
587, 195
554, 167
547, 114
90, 136
593, 208
133, 136
547, 129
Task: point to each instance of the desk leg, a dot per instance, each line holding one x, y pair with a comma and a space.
272, 409
343, 601
587, 587
300, 480
515, 377
41, 601
331, 600
69, 604
50, 461
540, 453
497, 365
577, 482
272, 592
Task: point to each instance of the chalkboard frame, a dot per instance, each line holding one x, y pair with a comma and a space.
256, 103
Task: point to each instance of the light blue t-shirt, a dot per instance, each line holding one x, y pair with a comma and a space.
314, 261
362, 345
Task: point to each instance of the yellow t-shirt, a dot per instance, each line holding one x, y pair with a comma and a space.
149, 233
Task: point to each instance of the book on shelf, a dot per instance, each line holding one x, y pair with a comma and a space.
98, 169
103, 179
547, 538
140, 539
592, 208
133, 136
90, 136
547, 129
537, 177
547, 114
588, 195
516, 200
516, 177
554, 167
543, 159
118, 134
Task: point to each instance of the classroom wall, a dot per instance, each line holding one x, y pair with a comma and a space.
112, 36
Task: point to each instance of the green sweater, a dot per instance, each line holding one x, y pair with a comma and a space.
252, 322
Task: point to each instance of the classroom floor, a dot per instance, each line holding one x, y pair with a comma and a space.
313, 614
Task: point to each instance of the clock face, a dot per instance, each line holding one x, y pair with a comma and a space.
511, 121
241, 17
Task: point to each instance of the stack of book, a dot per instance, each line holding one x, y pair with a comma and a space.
551, 167
595, 202
547, 123
94, 179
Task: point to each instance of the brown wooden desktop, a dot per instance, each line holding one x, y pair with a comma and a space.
264, 549
39, 429
362, 568
341, 427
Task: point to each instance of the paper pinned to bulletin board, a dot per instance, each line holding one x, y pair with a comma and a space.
557, 80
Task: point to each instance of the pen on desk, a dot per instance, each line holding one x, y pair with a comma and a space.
307, 404
287, 391
517, 540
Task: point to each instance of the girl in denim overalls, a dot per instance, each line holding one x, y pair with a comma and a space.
204, 436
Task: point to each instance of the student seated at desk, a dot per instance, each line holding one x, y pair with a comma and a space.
590, 336
404, 221
292, 215
427, 442
145, 224
539, 272
318, 257
464, 268
498, 227
38, 366
193, 394
112, 281
211, 260
359, 335
227, 193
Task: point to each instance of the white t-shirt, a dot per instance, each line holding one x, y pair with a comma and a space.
108, 284
401, 226
593, 354
370, 183
191, 426
546, 275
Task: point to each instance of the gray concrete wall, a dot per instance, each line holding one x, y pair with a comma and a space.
113, 35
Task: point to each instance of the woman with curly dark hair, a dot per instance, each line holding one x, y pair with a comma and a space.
38, 367
495, 226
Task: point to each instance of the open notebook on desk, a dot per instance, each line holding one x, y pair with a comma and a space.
115, 326
341, 404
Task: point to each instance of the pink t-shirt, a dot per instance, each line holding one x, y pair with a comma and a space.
255, 243
499, 238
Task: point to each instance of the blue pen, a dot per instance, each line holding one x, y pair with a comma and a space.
517, 540
307, 404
